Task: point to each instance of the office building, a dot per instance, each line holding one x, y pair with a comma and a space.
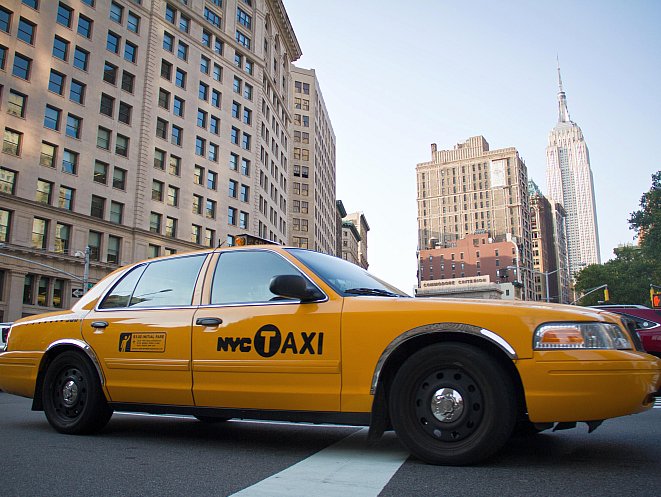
312, 193
136, 128
472, 190
570, 183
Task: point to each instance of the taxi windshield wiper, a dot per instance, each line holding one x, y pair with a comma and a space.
371, 291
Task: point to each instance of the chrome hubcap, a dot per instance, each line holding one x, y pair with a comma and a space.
447, 405
70, 393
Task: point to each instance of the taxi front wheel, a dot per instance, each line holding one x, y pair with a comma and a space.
452, 404
72, 396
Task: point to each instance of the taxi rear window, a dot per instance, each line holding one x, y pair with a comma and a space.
162, 283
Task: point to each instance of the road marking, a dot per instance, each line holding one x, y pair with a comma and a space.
349, 467
657, 403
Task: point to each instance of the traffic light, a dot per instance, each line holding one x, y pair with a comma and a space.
606, 296
656, 300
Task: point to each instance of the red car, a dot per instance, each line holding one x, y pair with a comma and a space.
647, 323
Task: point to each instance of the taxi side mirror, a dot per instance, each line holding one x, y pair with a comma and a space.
294, 286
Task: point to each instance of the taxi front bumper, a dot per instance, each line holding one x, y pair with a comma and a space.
588, 385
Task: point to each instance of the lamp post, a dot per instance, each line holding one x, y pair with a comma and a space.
79, 253
534, 271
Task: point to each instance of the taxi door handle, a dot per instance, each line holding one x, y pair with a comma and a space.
99, 324
208, 321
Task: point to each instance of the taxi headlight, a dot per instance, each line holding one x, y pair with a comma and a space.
553, 336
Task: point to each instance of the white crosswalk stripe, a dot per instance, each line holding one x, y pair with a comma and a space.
657, 403
349, 467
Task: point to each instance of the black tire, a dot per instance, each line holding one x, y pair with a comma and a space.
72, 397
474, 398
211, 419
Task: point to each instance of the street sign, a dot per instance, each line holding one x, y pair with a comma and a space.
76, 293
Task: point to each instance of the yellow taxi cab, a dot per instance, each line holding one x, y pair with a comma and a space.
270, 332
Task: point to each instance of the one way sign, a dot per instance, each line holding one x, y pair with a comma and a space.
76, 293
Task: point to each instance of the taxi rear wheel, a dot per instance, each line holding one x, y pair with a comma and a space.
72, 397
452, 404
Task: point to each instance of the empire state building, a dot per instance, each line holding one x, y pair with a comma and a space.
569, 181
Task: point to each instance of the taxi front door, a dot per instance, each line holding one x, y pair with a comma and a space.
253, 350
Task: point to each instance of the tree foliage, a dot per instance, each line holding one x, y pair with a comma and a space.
634, 268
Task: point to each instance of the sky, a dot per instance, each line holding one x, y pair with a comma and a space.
398, 76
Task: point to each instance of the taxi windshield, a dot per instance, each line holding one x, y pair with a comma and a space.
345, 278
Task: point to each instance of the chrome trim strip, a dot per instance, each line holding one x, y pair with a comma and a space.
84, 346
428, 329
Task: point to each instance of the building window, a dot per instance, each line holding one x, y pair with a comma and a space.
130, 52
197, 204
178, 107
116, 12
5, 19
174, 166
244, 18
128, 80
153, 251
231, 216
209, 237
70, 162
198, 175
180, 79
119, 178
107, 106
170, 227
62, 237
74, 126
60, 48
44, 191
245, 193
58, 293
200, 145
168, 42
109, 73
243, 220
25, 31
94, 243
116, 212
28, 289
84, 26
56, 82
173, 196
103, 138
11, 143
122, 145
100, 172
166, 70
216, 98
177, 135
182, 50
48, 154
64, 15
212, 180
66, 198
155, 222
77, 92
112, 255
210, 209
243, 39
22, 66
233, 188
159, 159
97, 207
214, 125
133, 22
234, 162
5, 223
81, 58
52, 118
162, 128
157, 190
39, 233
113, 42
245, 167
196, 234
212, 17
124, 114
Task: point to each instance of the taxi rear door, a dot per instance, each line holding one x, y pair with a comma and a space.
141, 332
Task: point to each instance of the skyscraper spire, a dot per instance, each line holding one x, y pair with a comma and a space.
563, 112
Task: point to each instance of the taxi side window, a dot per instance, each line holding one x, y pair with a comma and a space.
164, 283
244, 277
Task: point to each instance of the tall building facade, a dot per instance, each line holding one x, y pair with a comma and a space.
569, 180
473, 190
312, 192
543, 246
137, 128
359, 220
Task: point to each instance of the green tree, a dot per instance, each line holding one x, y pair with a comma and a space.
627, 277
634, 268
646, 222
